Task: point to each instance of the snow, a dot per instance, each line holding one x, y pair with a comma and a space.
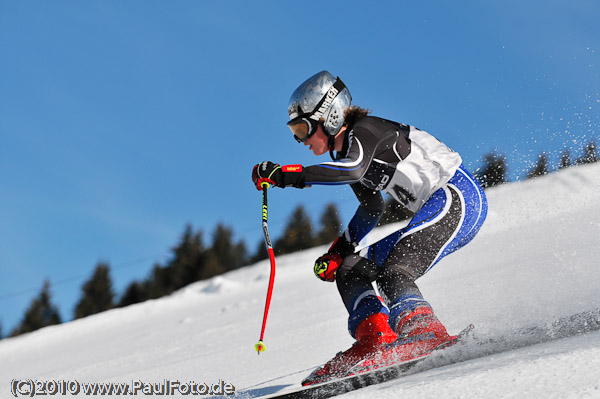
559, 369
535, 262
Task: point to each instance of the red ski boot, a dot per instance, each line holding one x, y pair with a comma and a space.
421, 326
372, 335
420, 333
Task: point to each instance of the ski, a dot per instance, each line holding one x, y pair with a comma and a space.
363, 379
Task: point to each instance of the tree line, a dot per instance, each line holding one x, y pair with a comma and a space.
191, 260
495, 170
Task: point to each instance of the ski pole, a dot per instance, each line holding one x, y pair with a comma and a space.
260, 346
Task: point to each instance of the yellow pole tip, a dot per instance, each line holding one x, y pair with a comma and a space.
259, 347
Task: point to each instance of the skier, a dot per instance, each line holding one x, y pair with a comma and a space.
421, 173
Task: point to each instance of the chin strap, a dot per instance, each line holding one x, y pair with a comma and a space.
331, 145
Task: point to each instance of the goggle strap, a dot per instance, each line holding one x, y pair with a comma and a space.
338, 85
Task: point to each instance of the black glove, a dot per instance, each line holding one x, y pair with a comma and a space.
267, 173
276, 175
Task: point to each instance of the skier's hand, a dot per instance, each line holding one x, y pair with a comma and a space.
281, 176
326, 266
267, 173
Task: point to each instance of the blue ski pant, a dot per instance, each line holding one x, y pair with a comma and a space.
449, 220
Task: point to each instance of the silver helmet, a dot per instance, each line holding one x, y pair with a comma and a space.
321, 96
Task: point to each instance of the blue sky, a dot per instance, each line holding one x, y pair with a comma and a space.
121, 122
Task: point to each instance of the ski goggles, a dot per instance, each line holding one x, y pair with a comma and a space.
303, 127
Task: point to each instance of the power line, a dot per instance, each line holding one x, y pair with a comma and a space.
72, 278
245, 230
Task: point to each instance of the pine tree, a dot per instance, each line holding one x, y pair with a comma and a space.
192, 262
41, 313
494, 170
160, 282
227, 254
241, 252
565, 159
540, 168
297, 235
97, 293
590, 155
260, 254
134, 293
330, 225
394, 212
189, 261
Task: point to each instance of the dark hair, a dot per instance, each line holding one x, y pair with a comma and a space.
354, 113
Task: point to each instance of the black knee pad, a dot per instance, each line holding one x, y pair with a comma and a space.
355, 266
395, 280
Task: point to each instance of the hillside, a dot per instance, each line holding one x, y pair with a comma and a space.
534, 263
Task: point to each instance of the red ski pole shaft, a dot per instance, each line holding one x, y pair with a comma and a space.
260, 346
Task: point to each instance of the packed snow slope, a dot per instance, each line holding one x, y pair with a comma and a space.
534, 264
